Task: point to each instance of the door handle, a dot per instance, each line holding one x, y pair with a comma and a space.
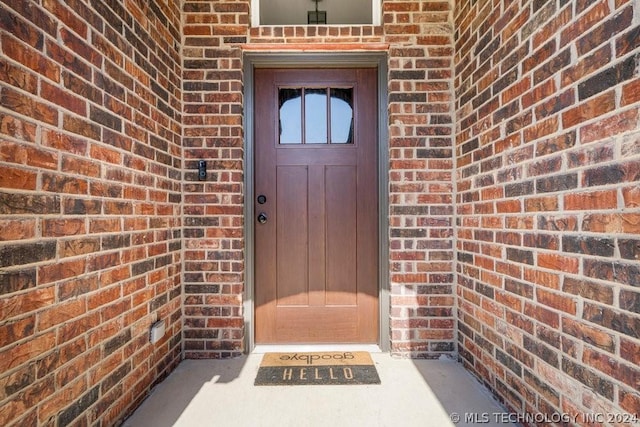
262, 217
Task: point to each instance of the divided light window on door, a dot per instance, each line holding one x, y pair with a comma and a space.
316, 115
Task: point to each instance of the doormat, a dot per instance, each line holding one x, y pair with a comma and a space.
323, 368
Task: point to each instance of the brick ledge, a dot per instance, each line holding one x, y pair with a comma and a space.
315, 47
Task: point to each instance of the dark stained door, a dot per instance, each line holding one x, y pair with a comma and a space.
316, 224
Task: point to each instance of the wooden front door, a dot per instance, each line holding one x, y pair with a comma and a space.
316, 206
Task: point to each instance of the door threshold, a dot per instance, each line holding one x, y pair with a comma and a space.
307, 348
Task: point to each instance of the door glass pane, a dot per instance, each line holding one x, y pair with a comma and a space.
290, 101
342, 116
315, 116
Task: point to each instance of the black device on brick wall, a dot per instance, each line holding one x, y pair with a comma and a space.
202, 170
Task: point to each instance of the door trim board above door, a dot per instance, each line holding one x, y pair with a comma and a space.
376, 60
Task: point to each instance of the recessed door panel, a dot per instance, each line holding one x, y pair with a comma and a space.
342, 228
292, 280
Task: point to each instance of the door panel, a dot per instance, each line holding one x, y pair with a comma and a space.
293, 231
341, 220
316, 254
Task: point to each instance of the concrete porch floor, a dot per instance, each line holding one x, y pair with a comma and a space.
412, 393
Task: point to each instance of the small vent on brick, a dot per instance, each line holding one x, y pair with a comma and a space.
157, 331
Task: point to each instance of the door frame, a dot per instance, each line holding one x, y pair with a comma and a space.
377, 60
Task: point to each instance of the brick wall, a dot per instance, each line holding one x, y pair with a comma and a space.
420, 39
90, 229
101, 112
213, 209
548, 202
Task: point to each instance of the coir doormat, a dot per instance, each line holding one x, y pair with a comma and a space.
329, 368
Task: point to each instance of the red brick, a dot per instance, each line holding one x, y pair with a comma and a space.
588, 289
611, 367
594, 200
111, 276
589, 109
63, 227
62, 398
67, 100
142, 199
631, 93
587, 66
14, 331
605, 31
589, 334
63, 184
552, 27
76, 287
539, 56
587, 21
610, 126
16, 128
80, 246
63, 142
49, 141
630, 402
30, 58
556, 103
18, 77
67, 59
78, 326
30, 350
18, 27
630, 223
102, 261
516, 24
630, 351
80, 48
541, 204
558, 262
77, 367
591, 155
543, 278
39, 158
107, 49
66, 15
80, 127
542, 314
60, 313
17, 229
401, 7
26, 302
104, 225
115, 309
631, 196
556, 301
103, 297
105, 154
61, 270
603, 115
541, 129
99, 372
516, 90
540, 92
23, 403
